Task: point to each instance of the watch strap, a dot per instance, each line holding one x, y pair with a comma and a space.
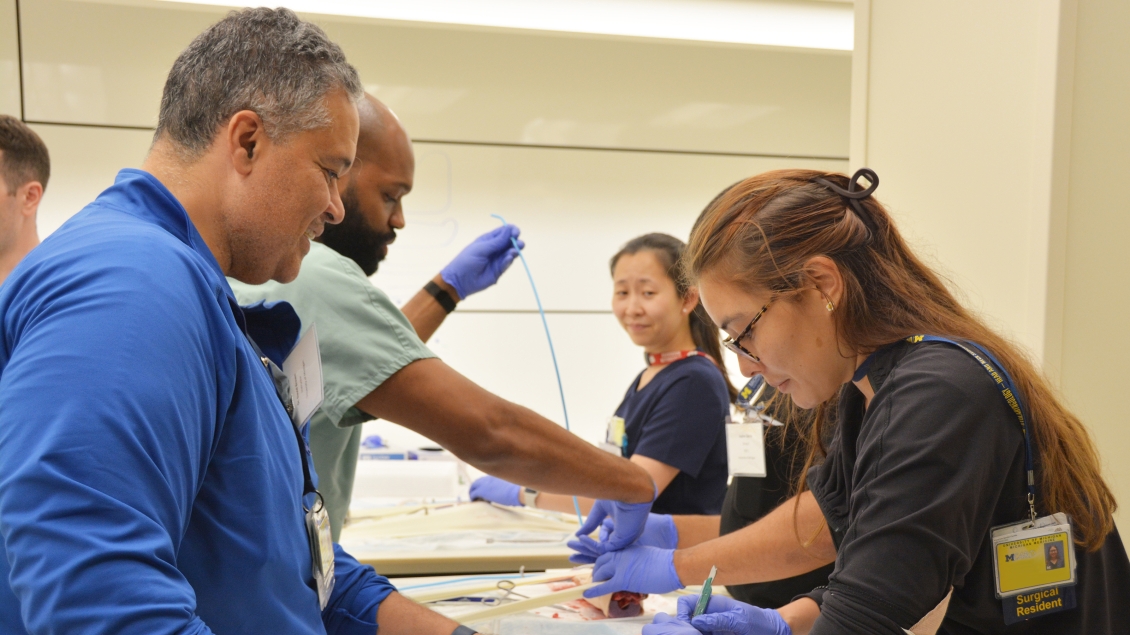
529, 497
464, 630
442, 297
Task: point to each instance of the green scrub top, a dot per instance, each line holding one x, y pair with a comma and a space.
364, 340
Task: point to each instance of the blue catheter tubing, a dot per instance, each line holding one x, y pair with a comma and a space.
549, 338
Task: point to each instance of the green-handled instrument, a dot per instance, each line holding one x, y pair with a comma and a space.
704, 599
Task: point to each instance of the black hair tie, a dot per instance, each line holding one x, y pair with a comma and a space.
854, 194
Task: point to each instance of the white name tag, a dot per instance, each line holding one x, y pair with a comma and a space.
611, 449
303, 370
745, 449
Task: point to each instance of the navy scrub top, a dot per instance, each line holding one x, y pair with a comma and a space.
679, 419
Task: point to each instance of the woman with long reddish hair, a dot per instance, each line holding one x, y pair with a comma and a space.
943, 431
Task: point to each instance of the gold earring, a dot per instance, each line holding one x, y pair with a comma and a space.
831, 307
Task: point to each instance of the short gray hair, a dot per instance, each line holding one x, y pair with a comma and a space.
265, 60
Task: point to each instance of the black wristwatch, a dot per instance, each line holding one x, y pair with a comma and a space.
443, 298
463, 630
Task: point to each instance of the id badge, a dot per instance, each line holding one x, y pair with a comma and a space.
616, 437
745, 449
1034, 567
321, 552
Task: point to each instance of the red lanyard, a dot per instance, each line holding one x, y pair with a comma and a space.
659, 359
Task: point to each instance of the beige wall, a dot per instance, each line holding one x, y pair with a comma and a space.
952, 107
584, 142
84, 161
1000, 134
1096, 341
104, 63
9, 60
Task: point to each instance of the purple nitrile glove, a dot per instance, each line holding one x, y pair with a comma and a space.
628, 521
496, 490
727, 616
664, 624
636, 569
481, 263
659, 531
585, 550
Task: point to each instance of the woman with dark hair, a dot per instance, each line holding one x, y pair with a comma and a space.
947, 439
748, 499
673, 416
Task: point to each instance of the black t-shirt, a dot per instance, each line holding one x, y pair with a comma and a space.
679, 419
911, 489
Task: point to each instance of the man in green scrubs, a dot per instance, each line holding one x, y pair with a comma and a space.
375, 363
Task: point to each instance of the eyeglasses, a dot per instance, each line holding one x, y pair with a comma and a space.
732, 343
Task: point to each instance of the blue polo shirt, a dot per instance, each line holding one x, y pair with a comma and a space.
679, 418
150, 480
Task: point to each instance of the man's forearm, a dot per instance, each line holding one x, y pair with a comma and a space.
537, 453
424, 312
397, 615
502, 438
766, 550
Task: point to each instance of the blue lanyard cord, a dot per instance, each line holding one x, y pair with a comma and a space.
1011, 396
275, 373
549, 338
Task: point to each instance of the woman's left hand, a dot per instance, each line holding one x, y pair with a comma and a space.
636, 569
664, 624
496, 490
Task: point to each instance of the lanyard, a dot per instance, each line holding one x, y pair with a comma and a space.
282, 391
659, 359
751, 393
1011, 396
307, 480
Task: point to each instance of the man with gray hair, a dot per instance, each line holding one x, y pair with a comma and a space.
24, 169
151, 478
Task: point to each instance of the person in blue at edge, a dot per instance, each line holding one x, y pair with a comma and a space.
819, 293
150, 479
673, 416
